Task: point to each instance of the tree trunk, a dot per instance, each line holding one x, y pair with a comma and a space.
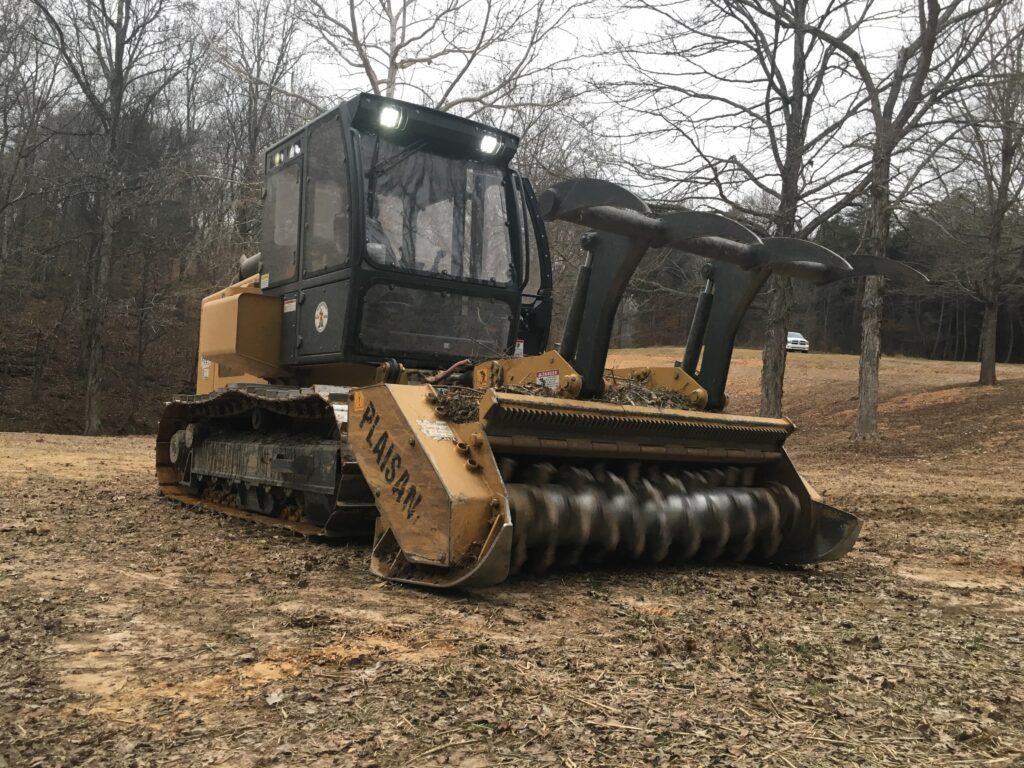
96, 306
951, 336
990, 321
938, 329
826, 336
5, 229
1009, 345
870, 358
773, 355
967, 318
955, 330
877, 231
44, 351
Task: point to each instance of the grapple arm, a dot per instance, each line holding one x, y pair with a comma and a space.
741, 263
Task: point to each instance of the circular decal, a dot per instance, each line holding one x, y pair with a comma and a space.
320, 317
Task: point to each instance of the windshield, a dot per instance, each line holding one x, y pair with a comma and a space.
435, 215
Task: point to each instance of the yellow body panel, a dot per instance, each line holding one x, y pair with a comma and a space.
215, 328
436, 485
243, 331
549, 370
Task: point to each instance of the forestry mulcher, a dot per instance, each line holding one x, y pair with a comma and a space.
383, 365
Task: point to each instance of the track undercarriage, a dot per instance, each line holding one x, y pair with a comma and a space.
276, 455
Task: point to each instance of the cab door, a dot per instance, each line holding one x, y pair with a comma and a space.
322, 300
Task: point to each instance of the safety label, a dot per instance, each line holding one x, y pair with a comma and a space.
548, 379
264, 280
320, 317
206, 368
290, 304
436, 430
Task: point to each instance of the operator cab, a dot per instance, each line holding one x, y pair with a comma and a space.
392, 230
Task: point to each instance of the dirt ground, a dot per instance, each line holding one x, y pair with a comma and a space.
138, 633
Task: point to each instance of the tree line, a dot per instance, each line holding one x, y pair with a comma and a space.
132, 133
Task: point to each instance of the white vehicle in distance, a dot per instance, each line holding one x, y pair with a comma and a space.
795, 342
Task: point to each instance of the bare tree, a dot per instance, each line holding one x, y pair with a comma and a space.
120, 54
558, 142
745, 73
29, 90
462, 55
258, 49
934, 62
989, 151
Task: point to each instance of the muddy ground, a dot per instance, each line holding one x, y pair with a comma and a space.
137, 633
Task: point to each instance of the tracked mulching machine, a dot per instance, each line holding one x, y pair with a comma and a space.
383, 365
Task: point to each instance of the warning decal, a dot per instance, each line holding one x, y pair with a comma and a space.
548, 379
290, 304
436, 430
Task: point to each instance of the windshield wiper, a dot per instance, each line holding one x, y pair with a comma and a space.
391, 162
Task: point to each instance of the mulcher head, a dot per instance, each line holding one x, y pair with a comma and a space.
535, 482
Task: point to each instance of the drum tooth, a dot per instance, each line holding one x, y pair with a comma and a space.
733, 477
744, 524
789, 507
655, 474
582, 519
802, 519
716, 534
694, 481
715, 477
539, 474
700, 517
749, 475
521, 505
609, 531
671, 484
622, 507
638, 521
577, 478
769, 533
542, 555
658, 534
507, 468
680, 522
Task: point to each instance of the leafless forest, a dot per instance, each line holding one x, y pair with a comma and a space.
132, 131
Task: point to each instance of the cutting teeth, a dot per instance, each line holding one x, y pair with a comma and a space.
571, 515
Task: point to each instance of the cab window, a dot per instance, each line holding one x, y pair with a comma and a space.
281, 215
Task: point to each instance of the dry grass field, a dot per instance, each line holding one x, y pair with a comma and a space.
138, 633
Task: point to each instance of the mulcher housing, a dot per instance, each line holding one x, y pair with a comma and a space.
404, 267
